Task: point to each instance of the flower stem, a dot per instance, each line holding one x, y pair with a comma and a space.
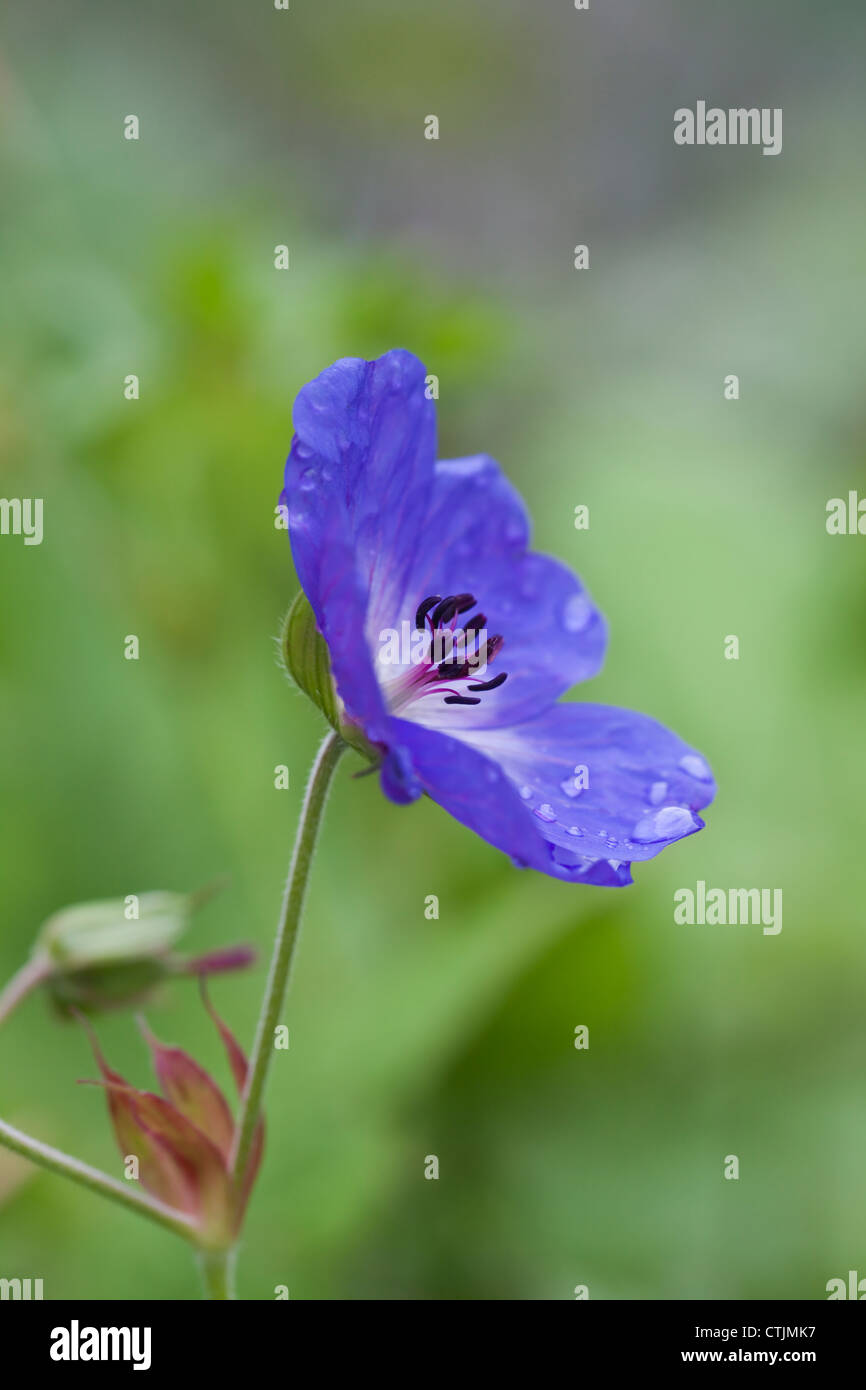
284, 949
218, 1272
27, 978
97, 1181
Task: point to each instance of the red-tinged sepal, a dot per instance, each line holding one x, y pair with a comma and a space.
190, 1089
183, 1140
177, 1162
208, 1196
239, 1065
158, 1170
217, 962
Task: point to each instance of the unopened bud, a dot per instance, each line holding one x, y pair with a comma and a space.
103, 955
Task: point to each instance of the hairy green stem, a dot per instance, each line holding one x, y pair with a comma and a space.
96, 1180
284, 949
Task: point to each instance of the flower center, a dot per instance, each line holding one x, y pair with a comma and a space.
454, 658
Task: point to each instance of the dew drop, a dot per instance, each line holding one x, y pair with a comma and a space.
574, 830
577, 613
570, 787
658, 792
545, 812
526, 793
663, 824
695, 766
308, 480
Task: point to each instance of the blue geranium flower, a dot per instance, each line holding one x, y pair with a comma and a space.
391, 545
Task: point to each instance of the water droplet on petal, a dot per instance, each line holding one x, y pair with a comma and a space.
307, 480
574, 830
570, 787
303, 451
658, 792
577, 613
545, 812
664, 824
695, 766
526, 793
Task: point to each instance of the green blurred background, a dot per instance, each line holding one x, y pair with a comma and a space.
604, 387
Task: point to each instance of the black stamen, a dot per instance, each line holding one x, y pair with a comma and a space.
461, 700
443, 612
476, 624
453, 670
424, 608
491, 647
492, 685
463, 602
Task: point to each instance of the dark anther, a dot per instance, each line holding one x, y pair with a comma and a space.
424, 608
461, 700
491, 647
476, 624
450, 607
492, 685
463, 602
443, 612
453, 670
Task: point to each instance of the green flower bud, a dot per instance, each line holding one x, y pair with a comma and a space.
115, 931
102, 955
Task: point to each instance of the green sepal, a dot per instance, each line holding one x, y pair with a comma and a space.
306, 659
114, 986
305, 655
